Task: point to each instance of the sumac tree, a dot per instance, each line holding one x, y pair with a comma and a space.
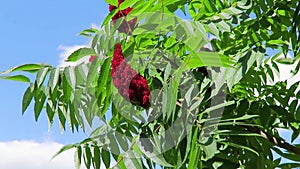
178, 93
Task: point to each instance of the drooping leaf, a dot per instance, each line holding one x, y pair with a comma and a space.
195, 151
288, 61
63, 149
77, 157
32, 68
20, 78
69, 73
28, 96
89, 32
87, 156
96, 157
41, 76
40, 99
53, 78
109, 17
80, 53
105, 156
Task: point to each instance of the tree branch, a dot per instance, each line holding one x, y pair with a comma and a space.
274, 140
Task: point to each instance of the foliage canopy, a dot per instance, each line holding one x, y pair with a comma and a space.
210, 108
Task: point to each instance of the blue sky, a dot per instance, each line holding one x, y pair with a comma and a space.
31, 32
38, 31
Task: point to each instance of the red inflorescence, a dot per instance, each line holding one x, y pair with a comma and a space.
126, 26
132, 86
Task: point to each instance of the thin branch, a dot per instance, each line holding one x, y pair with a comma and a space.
274, 140
122, 158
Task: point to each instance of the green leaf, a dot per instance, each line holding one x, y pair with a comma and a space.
77, 157
236, 133
53, 78
213, 29
156, 155
27, 97
89, 32
80, 53
20, 78
293, 106
241, 147
223, 25
114, 147
230, 121
105, 155
210, 150
104, 73
221, 105
289, 165
167, 71
32, 68
92, 74
70, 76
199, 59
63, 149
131, 161
109, 17
50, 109
297, 114
67, 90
62, 118
87, 156
126, 4
41, 75
217, 164
187, 148
209, 6
40, 99
200, 28
121, 139
287, 155
169, 105
74, 120
96, 158
121, 164
187, 95
233, 11
195, 151
277, 42
112, 2
247, 59
74, 124
288, 61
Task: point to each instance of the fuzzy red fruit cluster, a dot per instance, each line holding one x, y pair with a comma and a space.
132, 86
126, 26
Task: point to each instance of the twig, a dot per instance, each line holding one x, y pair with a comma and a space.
122, 158
274, 140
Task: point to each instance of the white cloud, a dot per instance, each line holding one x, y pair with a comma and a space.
33, 155
66, 51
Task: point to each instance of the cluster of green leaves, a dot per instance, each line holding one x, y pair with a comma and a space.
200, 117
256, 24
274, 107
